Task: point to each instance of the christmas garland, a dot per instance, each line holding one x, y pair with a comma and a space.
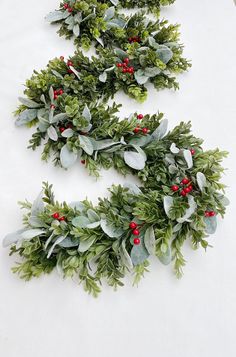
180, 195
180, 198
93, 20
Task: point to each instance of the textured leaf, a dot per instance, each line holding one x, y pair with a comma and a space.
149, 240
201, 181
160, 132
139, 254
52, 133
86, 144
188, 158
67, 157
168, 203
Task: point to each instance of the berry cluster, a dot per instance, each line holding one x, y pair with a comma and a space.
134, 39
210, 213
139, 130
184, 190
67, 7
135, 232
125, 66
56, 215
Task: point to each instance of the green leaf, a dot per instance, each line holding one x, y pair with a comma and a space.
149, 240
67, 157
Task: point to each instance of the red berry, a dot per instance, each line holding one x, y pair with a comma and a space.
126, 60
83, 162
212, 214
183, 193
136, 241
136, 130
132, 225
185, 181
140, 116
52, 106
62, 218
136, 232
207, 214
61, 91
175, 188
192, 151
145, 130
119, 65
56, 215
62, 129
187, 190
62, 58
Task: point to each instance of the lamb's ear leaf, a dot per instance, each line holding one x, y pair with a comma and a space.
67, 157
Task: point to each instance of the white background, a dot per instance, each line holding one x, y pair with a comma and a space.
49, 317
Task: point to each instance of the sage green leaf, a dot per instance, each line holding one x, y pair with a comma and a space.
52, 133
188, 158
110, 230
76, 30
168, 204
166, 258
58, 241
86, 144
86, 113
174, 149
67, 157
86, 244
103, 77
31, 233
192, 208
211, 224
139, 254
12, 238
55, 16
125, 257
109, 14
201, 181
68, 242
160, 132
152, 71
149, 240
140, 77
29, 103
80, 222
68, 133
134, 160
26, 116
164, 53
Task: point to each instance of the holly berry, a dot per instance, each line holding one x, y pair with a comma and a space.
140, 116
56, 215
145, 130
136, 241
52, 106
185, 181
62, 129
136, 130
136, 232
62, 58
183, 193
212, 214
132, 225
83, 162
62, 218
175, 188
192, 152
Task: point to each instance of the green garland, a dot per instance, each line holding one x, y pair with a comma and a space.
180, 199
180, 195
